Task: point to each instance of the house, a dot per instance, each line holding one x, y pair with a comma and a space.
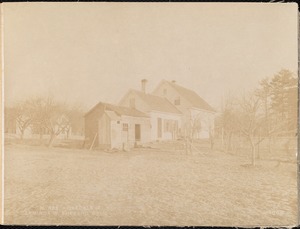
165, 118
197, 113
110, 126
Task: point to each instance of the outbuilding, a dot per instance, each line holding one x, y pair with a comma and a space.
110, 126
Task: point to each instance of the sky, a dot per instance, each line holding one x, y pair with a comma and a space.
89, 52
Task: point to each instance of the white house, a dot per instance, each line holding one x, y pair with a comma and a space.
165, 118
196, 111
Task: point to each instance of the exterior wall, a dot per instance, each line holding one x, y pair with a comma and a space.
115, 134
164, 116
145, 126
104, 132
121, 138
91, 124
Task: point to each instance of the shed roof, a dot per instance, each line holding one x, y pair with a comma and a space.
119, 110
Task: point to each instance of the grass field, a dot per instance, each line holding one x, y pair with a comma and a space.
145, 187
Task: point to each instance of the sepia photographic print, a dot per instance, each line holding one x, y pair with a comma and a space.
149, 114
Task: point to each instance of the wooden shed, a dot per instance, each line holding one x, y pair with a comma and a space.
109, 126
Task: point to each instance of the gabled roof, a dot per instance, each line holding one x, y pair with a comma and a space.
157, 103
192, 97
119, 110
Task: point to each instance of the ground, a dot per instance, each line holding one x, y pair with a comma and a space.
145, 187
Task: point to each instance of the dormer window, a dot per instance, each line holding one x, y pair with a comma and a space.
177, 101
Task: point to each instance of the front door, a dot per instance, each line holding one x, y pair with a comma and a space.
159, 127
137, 132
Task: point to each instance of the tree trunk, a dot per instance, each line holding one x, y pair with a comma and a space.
51, 140
222, 138
211, 143
22, 135
270, 145
191, 143
41, 135
252, 150
228, 147
259, 140
68, 132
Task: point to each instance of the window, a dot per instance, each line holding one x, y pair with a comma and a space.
125, 126
166, 125
132, 103
177, 101
170, 125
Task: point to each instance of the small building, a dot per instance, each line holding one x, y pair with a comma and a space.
110, 126
164, 116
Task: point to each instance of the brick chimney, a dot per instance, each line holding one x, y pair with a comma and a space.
144, 82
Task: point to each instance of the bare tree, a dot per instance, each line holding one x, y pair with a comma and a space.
75, 115
56, 125
249, 120
191, 126
49, 116
211, 136
22, 116
226, 123
45, 115
264, 92
196, 123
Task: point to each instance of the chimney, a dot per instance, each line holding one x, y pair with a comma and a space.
144, 81
173, 81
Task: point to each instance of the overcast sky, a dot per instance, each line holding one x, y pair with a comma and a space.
91, 52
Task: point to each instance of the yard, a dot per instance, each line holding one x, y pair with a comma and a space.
145, 187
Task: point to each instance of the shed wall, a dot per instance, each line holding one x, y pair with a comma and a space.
91, 125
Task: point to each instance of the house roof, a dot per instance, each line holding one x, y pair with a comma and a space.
124, 110
192, 97
119, 110
157, 103
112, 115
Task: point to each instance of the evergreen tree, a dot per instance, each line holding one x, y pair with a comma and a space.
284, 99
